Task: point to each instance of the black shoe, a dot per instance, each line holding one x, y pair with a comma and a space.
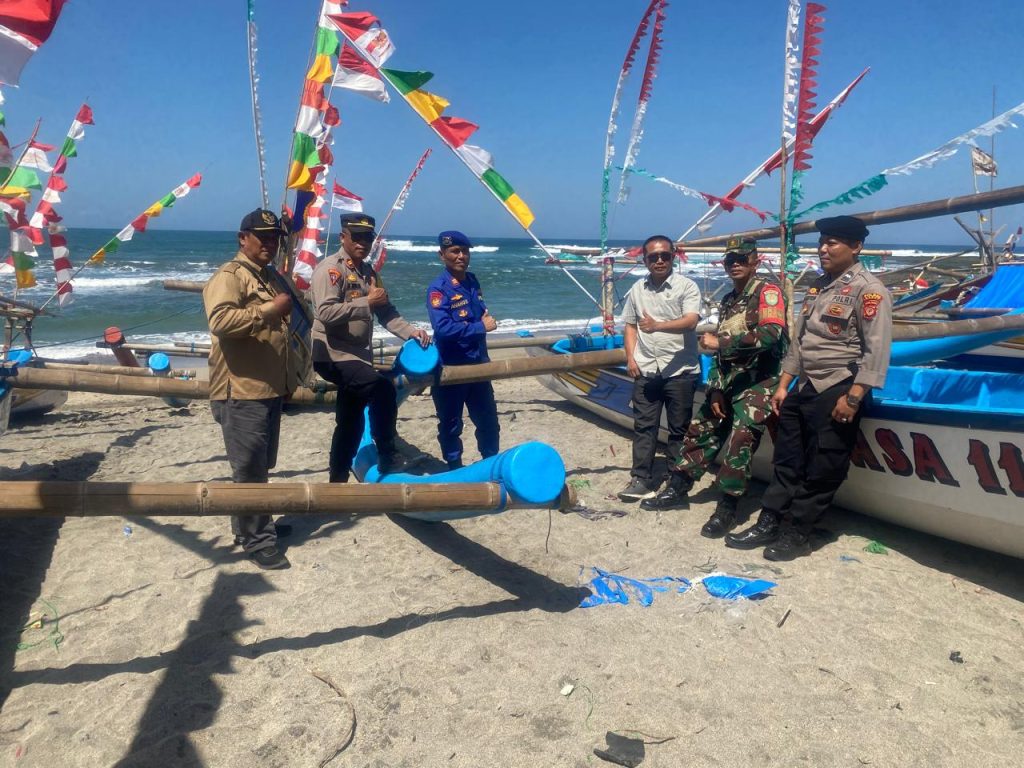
283, 532
269, 559
791, 544
674, 495
338, 477
392, 464
722, 519
457, 464
636, 490
761, 533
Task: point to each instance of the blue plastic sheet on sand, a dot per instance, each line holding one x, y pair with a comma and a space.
735, 587
606, 588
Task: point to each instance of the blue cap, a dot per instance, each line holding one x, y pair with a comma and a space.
451, 237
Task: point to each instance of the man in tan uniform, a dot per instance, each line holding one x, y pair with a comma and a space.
347, 295
248, 369
840, 351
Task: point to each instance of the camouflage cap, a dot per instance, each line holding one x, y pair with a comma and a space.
741, 245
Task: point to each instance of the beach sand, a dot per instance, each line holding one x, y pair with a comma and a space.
392, 643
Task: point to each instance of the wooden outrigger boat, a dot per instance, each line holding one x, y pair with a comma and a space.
939, 451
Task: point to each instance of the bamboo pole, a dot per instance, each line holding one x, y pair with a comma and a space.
111, 370
931, 209
189, 286
167, 349
75, 381
49, 498
531, 366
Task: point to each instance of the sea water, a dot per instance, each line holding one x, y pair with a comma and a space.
520, 289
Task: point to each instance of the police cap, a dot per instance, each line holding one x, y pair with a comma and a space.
358, 222
843, 227
261, 220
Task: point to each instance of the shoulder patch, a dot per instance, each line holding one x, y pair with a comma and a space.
869, 304
771, 296
771, 309
335, 276
436, 297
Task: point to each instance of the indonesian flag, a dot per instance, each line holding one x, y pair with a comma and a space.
366, 34
7, 265
343, 200
24, 26
360, 76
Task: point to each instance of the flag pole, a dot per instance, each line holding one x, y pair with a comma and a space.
378, 241
253, 79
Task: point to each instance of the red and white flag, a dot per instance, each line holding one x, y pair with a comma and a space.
355, 74
343, 200
24, 26
366, 34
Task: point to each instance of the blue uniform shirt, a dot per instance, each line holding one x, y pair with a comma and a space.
456, 309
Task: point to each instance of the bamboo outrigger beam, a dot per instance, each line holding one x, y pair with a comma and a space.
111, 370
105, 384
48, 498
531, 366
980, 201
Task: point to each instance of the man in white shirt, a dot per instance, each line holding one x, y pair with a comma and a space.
660, 316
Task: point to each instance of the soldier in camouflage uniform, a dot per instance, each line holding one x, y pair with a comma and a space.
748, 347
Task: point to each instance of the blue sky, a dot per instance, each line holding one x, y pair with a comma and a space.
169, 87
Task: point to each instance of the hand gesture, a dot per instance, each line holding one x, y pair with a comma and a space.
718, 404
777, 398
648, 324
489, 322
422, 337
377, 297
280, 306
709, 341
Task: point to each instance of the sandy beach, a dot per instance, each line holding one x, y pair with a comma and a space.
391, 643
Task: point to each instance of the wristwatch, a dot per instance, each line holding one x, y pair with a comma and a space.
852, 400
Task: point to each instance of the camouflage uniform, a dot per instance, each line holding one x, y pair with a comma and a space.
745, 369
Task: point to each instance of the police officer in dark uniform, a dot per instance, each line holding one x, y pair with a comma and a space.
840, 351
461, 323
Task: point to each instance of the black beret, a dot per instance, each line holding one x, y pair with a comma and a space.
843, 227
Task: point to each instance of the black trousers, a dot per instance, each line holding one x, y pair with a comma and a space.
812, 454
650, 395
252, 430
359, 386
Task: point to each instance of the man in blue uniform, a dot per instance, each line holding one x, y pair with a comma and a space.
461, 323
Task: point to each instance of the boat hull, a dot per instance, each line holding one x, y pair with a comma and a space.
962, 481
28, 403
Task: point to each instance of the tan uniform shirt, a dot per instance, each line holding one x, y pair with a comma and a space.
670, 354
844, 329
248, 356
342, 318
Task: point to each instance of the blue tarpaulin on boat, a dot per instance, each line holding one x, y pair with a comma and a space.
1005, 289
978, 391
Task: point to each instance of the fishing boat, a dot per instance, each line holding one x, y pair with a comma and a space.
939, 451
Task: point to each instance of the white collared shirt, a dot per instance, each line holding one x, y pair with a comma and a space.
670, 354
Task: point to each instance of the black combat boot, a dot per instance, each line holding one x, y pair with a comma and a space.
722, 519
790, 545
761, 533
674, 496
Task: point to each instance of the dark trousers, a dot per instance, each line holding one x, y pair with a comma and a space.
650, 395
812, 454
252, 430
478, 399
359, 386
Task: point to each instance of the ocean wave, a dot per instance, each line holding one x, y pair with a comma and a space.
411, 247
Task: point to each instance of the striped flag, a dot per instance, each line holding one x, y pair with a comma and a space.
343, 200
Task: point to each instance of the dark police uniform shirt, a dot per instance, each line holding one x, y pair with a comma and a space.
456, 308
844, 330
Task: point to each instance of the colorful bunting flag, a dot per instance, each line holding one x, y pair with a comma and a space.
378, 251
613, 126
24, 26
355, 74
139, 223
727, 204
308, 249
646, 87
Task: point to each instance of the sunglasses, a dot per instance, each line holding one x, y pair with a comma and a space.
659, 256
733, 259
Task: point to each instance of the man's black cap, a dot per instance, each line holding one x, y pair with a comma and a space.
358, 222
843, 227
261, 221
